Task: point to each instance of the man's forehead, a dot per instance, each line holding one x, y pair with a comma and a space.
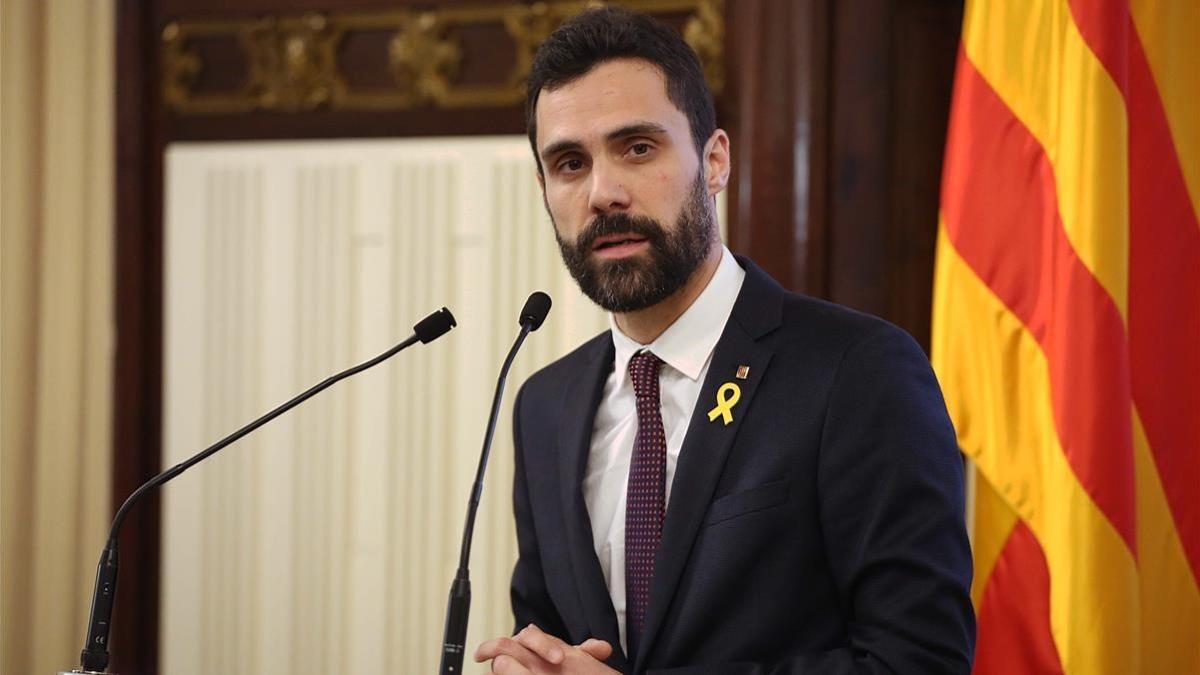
611, 96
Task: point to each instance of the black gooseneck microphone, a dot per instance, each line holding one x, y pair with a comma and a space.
94, 657
458, 609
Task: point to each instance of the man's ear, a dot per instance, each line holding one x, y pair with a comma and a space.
716, 161
541, 181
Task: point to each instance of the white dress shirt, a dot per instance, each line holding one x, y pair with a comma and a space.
686, 348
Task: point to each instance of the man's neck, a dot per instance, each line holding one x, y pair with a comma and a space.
645, 325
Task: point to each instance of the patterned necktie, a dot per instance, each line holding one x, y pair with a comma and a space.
645, 497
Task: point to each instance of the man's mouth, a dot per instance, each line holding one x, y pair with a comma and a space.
609, 242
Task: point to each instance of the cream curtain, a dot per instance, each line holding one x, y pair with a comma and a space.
56, 191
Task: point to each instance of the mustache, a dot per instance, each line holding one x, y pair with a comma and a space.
619, 223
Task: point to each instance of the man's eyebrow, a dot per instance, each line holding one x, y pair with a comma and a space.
559, 147
635, 129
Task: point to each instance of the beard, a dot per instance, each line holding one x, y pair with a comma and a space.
638, 282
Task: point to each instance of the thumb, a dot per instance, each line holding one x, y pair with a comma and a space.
597, 649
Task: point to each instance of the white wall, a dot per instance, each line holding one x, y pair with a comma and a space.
326, 541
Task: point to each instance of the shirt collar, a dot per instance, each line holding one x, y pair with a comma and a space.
686, 344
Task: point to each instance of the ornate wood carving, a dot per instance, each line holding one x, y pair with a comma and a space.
292, 63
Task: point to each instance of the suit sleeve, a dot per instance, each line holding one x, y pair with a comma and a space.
891, 509
530, 600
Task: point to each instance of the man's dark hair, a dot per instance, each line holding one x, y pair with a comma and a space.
606, 33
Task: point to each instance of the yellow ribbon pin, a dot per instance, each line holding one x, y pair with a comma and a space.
727, 397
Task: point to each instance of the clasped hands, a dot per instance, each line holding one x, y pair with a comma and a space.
534, 652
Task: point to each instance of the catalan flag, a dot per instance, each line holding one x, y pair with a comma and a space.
1066, 329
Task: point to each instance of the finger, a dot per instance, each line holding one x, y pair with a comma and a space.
507, 665
506, 646
543, 644
597, 649
487, 650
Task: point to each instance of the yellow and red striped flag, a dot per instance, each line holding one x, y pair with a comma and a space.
1066, 329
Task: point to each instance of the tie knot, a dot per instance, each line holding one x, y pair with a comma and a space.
643, 370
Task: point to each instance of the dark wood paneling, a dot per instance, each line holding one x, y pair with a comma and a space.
217, 82
892, 72
137, 407
172, 9
925, 35
775, 112
861, 138
837, 113
344, 124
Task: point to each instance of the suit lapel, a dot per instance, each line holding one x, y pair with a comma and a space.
580, 400
707, 442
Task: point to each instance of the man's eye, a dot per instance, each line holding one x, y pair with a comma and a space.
640, 148
571, 165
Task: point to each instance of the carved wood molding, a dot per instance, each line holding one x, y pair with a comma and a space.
293, 63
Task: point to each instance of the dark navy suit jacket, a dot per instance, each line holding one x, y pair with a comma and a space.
821, 531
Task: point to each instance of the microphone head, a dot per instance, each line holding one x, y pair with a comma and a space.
535, 310
434, 326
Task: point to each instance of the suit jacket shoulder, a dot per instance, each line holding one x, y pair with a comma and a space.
826, 331
549, 380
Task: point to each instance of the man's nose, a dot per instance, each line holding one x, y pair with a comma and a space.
608, 193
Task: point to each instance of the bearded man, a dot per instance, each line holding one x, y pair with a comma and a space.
734, 478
